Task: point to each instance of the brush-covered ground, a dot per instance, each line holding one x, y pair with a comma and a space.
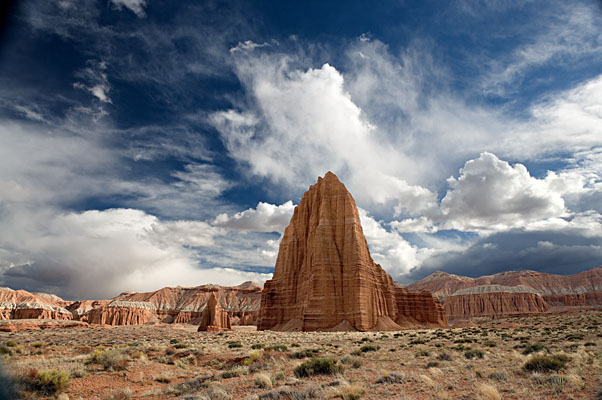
537, 357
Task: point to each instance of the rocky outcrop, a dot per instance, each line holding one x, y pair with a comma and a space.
20, 304
325, 278
493, 301
214, 318
167, 305
418, 309
582, 289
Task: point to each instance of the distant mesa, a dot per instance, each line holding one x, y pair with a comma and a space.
513, 292
168, 306
325, 278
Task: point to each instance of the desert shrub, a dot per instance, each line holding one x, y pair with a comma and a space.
356, 353
349, 392
318, 366
307, 353
418, 341
534, 348
234, 372
391, 378
37, 345
465, 340
354, 362
444, 357
589, 344
475, 353
47, 382
366, 340
432, 364
546, 364
287, 393
120, 394
277, 347
253, 358
109, 359
257, 346
5, 350
488, 392
498, 376
10, 343
180, 345
295, 345
263, 381
489, 343
234, 345
423, 353
368, 348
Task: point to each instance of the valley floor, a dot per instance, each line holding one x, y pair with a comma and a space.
488, 361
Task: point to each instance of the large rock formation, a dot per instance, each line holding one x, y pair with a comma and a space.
20, 304
214, 318
493, 301
582, 289
325, 279
167, 305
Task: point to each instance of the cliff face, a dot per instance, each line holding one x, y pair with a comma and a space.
582, 289
167, 305
20, 304
214, 318
493, 301
325, 277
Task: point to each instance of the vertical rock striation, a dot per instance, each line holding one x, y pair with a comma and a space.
214, 318
325, 277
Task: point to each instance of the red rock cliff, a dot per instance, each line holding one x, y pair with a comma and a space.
493, 301
214, 318
325, 277
582, 289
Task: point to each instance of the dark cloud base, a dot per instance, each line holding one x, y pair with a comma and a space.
549, 251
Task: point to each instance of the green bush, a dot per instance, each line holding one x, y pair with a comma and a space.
546, 364
5, 350
10, 343
277, 347
534, 348
257, 346
475, 353
318, 366
391, 379
109, 359
48, 382
355, 362
423, 353
307, 353
369, 347
234, 345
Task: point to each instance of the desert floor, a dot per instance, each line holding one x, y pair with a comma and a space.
485, 361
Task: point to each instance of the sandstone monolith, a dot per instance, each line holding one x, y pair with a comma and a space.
325, 278
214, 317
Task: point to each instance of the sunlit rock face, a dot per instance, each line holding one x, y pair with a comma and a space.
493, 301
214, 318
325, 278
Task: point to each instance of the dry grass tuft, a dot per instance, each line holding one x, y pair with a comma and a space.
488, 392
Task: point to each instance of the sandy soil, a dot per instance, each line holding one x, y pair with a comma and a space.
483, 361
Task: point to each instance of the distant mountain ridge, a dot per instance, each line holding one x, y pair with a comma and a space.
581, 289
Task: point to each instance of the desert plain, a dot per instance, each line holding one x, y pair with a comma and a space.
548, 356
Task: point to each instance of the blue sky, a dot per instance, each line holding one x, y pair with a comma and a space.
148, 143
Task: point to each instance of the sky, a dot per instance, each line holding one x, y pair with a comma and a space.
149, 143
